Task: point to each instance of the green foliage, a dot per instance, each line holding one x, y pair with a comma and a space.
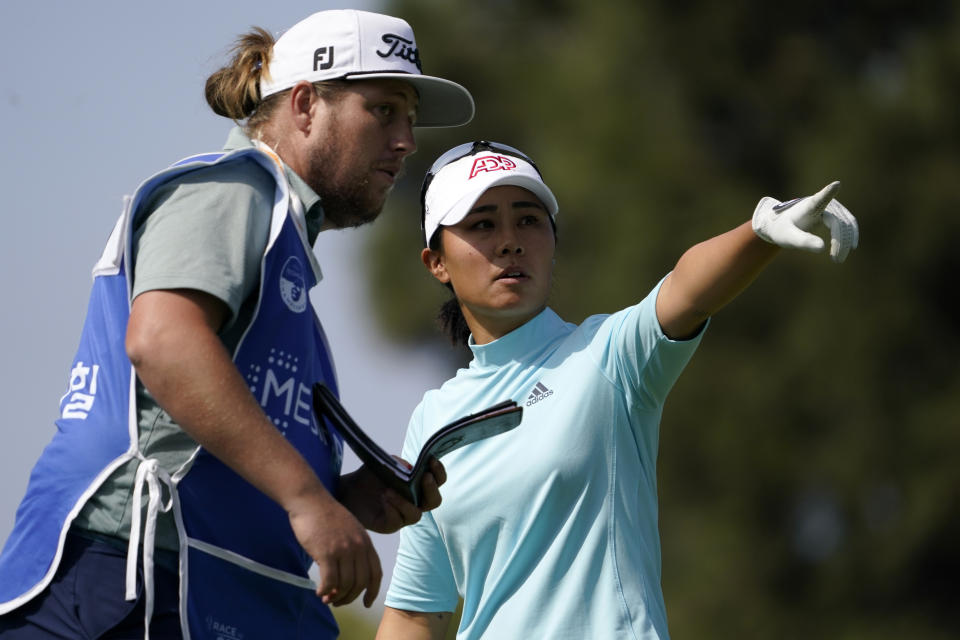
356, 622
807, 473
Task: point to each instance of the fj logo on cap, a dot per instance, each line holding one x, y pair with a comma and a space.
401, 48
323, 58
491, 163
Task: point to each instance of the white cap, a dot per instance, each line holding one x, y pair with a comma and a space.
345, 44
456, 187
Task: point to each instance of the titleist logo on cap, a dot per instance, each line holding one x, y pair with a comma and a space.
398, 47
402, 48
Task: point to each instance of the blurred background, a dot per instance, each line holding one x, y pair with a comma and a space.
809, 486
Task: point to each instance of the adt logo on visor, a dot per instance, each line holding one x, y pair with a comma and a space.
491, 163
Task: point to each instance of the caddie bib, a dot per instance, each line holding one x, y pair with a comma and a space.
243, 574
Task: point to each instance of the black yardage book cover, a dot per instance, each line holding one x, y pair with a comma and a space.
476, 426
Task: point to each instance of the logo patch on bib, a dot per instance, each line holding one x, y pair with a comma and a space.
293, 285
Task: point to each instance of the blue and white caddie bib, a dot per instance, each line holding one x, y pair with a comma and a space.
243, 574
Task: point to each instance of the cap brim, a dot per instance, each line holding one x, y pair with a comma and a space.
443, 103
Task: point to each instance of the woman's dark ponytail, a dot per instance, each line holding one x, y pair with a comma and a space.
452, 322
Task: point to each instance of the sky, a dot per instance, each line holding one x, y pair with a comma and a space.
96, 97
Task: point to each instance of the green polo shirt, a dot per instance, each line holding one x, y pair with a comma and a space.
206, 230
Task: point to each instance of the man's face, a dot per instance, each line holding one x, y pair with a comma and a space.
358, 144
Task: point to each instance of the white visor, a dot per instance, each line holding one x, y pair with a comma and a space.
457, 186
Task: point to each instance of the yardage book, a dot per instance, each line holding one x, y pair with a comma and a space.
477, 426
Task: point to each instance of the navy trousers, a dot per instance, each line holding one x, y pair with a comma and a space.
85, 600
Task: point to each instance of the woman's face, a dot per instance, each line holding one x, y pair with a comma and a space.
499, 259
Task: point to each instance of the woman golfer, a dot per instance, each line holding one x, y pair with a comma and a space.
550, 530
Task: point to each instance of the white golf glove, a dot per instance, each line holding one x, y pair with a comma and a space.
788, 224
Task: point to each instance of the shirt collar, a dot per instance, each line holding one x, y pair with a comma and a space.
521, 344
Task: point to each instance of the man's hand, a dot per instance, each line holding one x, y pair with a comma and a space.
788, 224
339, 544
172, 342
380, 508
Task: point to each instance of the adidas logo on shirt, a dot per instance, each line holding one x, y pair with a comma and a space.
540, 392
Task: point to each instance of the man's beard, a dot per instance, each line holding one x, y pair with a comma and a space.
349, 205
346, 199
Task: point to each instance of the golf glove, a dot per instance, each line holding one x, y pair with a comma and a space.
788, 224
